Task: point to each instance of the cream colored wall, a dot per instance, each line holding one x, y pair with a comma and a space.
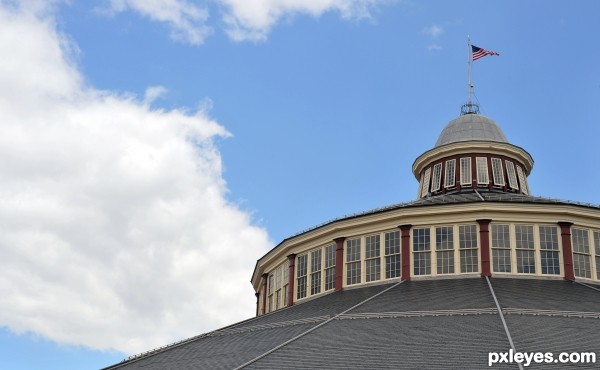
452, 214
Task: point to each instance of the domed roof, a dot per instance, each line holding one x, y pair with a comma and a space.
471, 127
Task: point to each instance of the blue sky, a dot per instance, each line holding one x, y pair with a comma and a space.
153, 152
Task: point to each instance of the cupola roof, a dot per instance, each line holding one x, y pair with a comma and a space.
471, 127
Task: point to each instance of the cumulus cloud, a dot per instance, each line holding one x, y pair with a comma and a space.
434, 31
186, 20
252, 20
244, 20
115, 230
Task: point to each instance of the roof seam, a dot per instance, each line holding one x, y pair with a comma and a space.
512, 344
316, 327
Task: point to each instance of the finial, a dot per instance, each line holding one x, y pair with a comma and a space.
469, 108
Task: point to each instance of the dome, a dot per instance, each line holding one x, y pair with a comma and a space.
471, 127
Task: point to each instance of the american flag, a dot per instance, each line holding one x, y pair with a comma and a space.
480, 53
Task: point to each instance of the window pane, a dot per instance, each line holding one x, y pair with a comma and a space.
548, 238
425, 188
373, 269
301, 276
450, 169
581, 265
353, 250
467, 236
421, 240
315, 268
422, 263
522, 180
467, 243
501, 260
392, 243
497, 172
550, 263
353, 268
444, 237
330, 278
445, 262
512, 176
468, 260
524, 236
465, 171
525, 262
353, 273
392, 266
437, 177
482, 171
372, 246
581, 243
500, 236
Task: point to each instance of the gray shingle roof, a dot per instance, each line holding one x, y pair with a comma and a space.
418, 324
470, 127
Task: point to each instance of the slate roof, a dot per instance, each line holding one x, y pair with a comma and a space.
427, 324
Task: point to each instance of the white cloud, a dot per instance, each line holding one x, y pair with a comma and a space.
434, 31
186, 20
434, 48
244, 20
115, 231
253, 20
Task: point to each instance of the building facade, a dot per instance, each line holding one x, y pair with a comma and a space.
474, 216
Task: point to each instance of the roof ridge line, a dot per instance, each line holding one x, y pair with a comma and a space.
316, 327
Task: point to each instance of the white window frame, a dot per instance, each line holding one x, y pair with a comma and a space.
465, 171
498, 172
512, 175
483, 177
450, 180
425, 188
522, 180
581, 252
436, 182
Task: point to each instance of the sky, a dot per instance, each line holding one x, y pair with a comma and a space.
152, 151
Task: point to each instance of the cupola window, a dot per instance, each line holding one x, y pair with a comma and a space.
450, 173
497, 172
482, 171
465, 171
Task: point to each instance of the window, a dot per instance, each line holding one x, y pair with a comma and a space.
393, 261
597, 250
512, 176
467, 244
581, 253
549, 250
425, 188
437, 178
465, 171
522, 180
315, 272
525, 249
497, 172
301, 276
422, 251
271, 291
330, 267
278, 278
501, 248
286, 281
450, 169
482, 171
353, 270
444, 249
372, 260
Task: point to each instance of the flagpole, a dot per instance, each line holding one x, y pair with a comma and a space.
469, 57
